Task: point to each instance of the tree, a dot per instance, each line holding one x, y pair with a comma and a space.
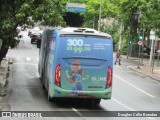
16, 12
130, 12
13, 13
50, 12
53, 13
91, 17
148, 19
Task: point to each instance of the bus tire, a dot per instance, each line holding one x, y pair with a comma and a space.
43, 86
42, 81
94, 101
49, 97
97, 101
90, 102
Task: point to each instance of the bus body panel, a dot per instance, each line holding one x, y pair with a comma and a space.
60, 92
79, 63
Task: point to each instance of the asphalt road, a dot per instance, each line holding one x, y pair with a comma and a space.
131, 91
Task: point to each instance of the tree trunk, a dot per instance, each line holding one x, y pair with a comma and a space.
3, 53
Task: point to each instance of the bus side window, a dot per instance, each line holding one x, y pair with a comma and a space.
51, 50
52, 44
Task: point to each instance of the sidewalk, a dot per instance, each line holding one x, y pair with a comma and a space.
145, 68
3, 77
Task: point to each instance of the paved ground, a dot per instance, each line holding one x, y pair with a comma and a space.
131, 63
146, 69
3, 77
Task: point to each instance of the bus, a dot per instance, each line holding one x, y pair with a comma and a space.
76, 63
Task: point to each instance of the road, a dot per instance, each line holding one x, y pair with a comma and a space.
131, 91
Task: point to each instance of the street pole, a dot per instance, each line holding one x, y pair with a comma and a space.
158, 58
99, 23
152, 38
154, 49
151, 54
128, 44
139, 56
142, 46
120, 38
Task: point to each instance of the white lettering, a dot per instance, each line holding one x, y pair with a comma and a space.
75, 42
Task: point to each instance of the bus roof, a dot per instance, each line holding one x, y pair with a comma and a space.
85, 31
77, 31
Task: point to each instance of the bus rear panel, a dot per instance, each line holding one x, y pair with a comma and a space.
82, 66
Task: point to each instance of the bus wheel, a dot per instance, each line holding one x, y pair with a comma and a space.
96, 101
42, 81
49, 97
43, 86
90, 102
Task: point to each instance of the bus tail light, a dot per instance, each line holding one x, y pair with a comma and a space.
57, 76
109, 78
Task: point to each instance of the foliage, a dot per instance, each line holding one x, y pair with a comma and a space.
91, 17
16, 12
52, 12
13, 14
124, 43
113, 31
148, 18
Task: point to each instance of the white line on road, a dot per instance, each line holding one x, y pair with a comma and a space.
134, 86
128, 107
122, 104
77, 112
28, 58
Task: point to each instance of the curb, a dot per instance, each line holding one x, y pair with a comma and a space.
148, 75
4, 74
10, 61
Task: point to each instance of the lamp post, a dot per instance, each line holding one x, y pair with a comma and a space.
121, 30
99, 23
